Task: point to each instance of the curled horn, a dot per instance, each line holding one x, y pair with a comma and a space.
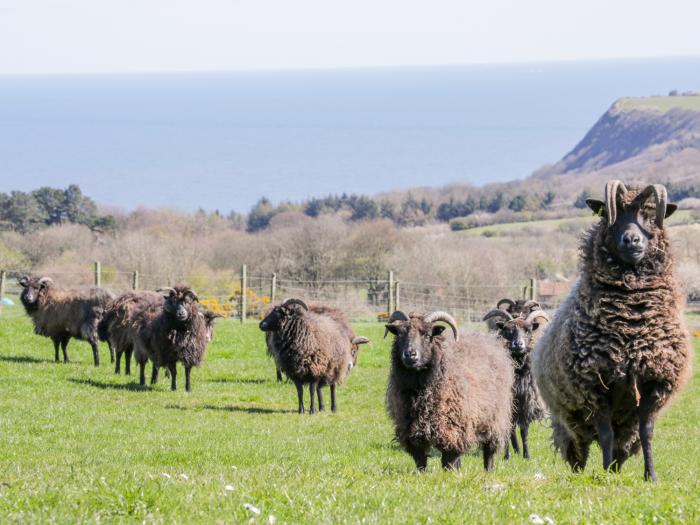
536, 314
532, 305
23, 281
45, 281
661, 198
360, 340
398, 315
170, 291
507, 301
192, 293
301, 303
612, 188
444, 317
497, 312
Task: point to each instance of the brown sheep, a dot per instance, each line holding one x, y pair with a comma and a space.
310, 348
61, 313
618, 349
450, 394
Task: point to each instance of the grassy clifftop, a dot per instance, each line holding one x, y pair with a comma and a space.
684, 102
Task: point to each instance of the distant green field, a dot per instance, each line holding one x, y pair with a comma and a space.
661, 103
80, 444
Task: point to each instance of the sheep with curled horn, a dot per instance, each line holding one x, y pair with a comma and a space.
618, 350
62, 314
515, 307
313, 346
449, 393
518, 335
170, 331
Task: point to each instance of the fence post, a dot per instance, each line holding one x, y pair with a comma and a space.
244, 286
273, 288
533, 289
397, 296
135, 281
98, 274
3, 276
390, 305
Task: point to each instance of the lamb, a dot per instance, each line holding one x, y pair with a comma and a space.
310, 348
448, 393
60, 313
170, 331
618, 349
116, 325
519, 335
337, 315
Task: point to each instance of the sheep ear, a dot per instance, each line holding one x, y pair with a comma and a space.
390, 327
24, 282
597, 206
437, 330
670, 208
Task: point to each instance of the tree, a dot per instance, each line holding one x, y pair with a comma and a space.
259, 217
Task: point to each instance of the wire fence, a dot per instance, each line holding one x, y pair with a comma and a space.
247, 296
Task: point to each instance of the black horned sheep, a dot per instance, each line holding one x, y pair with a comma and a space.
618, 349
60, 313
170, 331
452, 394
516, 308
311, 346
518, 335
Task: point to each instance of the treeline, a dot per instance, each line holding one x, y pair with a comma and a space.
25, 212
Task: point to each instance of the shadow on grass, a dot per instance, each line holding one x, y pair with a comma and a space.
110, 386
234, 408
23, 359
247, 381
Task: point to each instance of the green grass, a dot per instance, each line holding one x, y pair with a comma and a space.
661, 103
79, 444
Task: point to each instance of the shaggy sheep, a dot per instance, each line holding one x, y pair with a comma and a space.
617, 350
170, 331
60, 313
450, 394
310, 348
116, 325
519, 335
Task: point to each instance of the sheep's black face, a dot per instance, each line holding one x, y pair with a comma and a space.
273, 320
518, 336
32, 288
413, 342
178, 304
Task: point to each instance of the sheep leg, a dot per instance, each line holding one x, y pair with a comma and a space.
118, 360
95, 353
524, 428
154, 374
514, 440
127, 360
173, 375
321, 406
334, 405
56, 344
646, 433
64, 347
451, 460
142, 377
313, 386
489, 450
419, 456
300, 395
507, 454
606, 439
188, 385
111, 352
279, 375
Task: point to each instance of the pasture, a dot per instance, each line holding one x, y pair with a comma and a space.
80, 444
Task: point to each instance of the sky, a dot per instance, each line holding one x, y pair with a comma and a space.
111, 36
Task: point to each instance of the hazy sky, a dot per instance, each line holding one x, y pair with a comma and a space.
57, 36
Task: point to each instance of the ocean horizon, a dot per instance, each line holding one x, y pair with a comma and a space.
224, 140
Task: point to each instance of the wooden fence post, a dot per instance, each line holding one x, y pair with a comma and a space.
390, 305
397, 296
135, 281
3, 276
273, 288
533, 289
98, 274
244, 287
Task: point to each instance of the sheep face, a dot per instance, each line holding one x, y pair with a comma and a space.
632, 221
32, 290
413, 342
273, 321
518, 334
178, 303
209, 318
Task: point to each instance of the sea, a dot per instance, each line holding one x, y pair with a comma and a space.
221, 141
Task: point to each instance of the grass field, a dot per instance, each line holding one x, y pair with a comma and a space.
79, 444
661, 103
